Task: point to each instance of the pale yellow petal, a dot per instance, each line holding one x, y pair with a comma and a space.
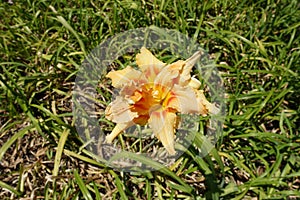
129, 89
119, 111
195, 83
148, 63
122, 77
169, 75
167, 78
184, 100
211, 108
185, 76
163, 124
117, 130
190, 62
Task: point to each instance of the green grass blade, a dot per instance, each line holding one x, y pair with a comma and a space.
119, 185
59, 150
85, 192
69, 27
153, 164
8, 144
97, 193
9, 188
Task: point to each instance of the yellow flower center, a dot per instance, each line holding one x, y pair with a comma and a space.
148, 98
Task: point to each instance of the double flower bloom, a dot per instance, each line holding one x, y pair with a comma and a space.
154, 95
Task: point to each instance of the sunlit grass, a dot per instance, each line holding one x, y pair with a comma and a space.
255, 47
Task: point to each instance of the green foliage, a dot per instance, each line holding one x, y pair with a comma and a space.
255, 45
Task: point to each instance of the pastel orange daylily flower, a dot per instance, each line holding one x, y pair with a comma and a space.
154, 95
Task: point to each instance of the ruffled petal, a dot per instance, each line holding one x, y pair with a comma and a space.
211, 108
163, 124
149, 64
122, 77
166, 79
184, 100
168, 75
129, 89
119, 111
